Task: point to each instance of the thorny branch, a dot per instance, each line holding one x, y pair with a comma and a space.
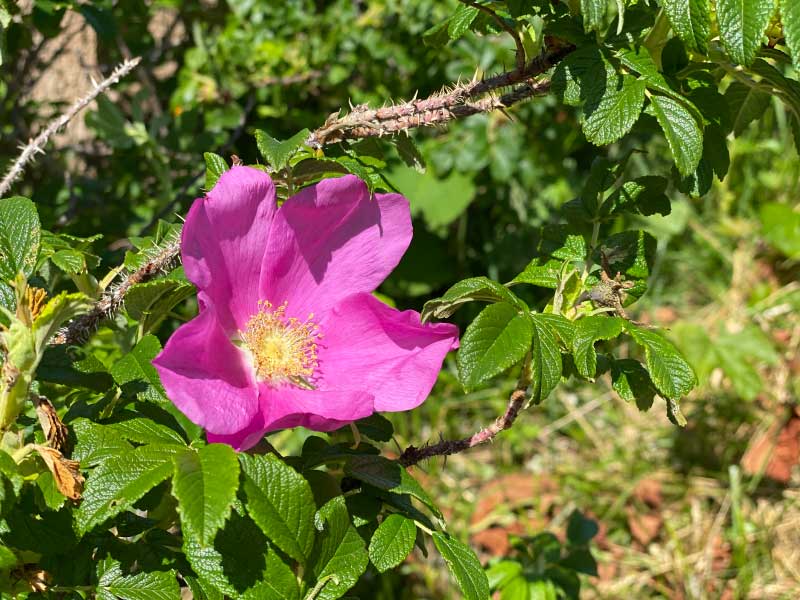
412, 455
461, 101
79, 329
36, 145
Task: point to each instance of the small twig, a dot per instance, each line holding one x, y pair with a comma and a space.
37, 144
79, 330
462, 100
520, 54
412, 455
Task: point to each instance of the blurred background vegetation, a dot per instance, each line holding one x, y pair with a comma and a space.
709, 511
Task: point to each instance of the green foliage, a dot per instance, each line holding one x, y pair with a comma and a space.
392, 542
277, 153
215, 166
280, 502
19, 243
691, 21
464, 566
541, 566
741, 26
120, 481
205, 484
574, 202
498, 338
683, 134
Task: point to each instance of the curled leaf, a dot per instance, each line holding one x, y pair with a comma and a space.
66, 472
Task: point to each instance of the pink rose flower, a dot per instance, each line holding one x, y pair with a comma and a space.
288, 332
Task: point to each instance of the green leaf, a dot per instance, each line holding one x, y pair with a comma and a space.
461, 20
201, 590
69, 260
581, 529
55, 314
497, 339
385, 474
376, 427
439, 200
545, 359
598, 14
53, 498
671, 374
788, 90
279, 581
540, 273
241, 563
683, 134
691, 21
145, 431
339, 557
20, 234
392, 542
136, 367
632, 382
616, 112
277, 153
437, 36
8, 559
151, 302
790, 19
113, 583
120, 481
588, 331
464, 565
741, 26
747, 104
780, 224
582, 76
639, 60
563, 327
408, 151
644, 195
467, 290
280, 501
97, 443
611, 101
73, 366
205, 484
215, 166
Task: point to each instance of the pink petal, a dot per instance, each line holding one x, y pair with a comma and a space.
331, 240
286, 407
370, 346
245, 438
207, 377
224, 239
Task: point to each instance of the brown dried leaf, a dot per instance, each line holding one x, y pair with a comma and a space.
648, 490
55, 432
66, 472
775, 451
644, 528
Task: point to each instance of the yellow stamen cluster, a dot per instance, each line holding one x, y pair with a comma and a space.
284, 349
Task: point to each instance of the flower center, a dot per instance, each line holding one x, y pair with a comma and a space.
284, 349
